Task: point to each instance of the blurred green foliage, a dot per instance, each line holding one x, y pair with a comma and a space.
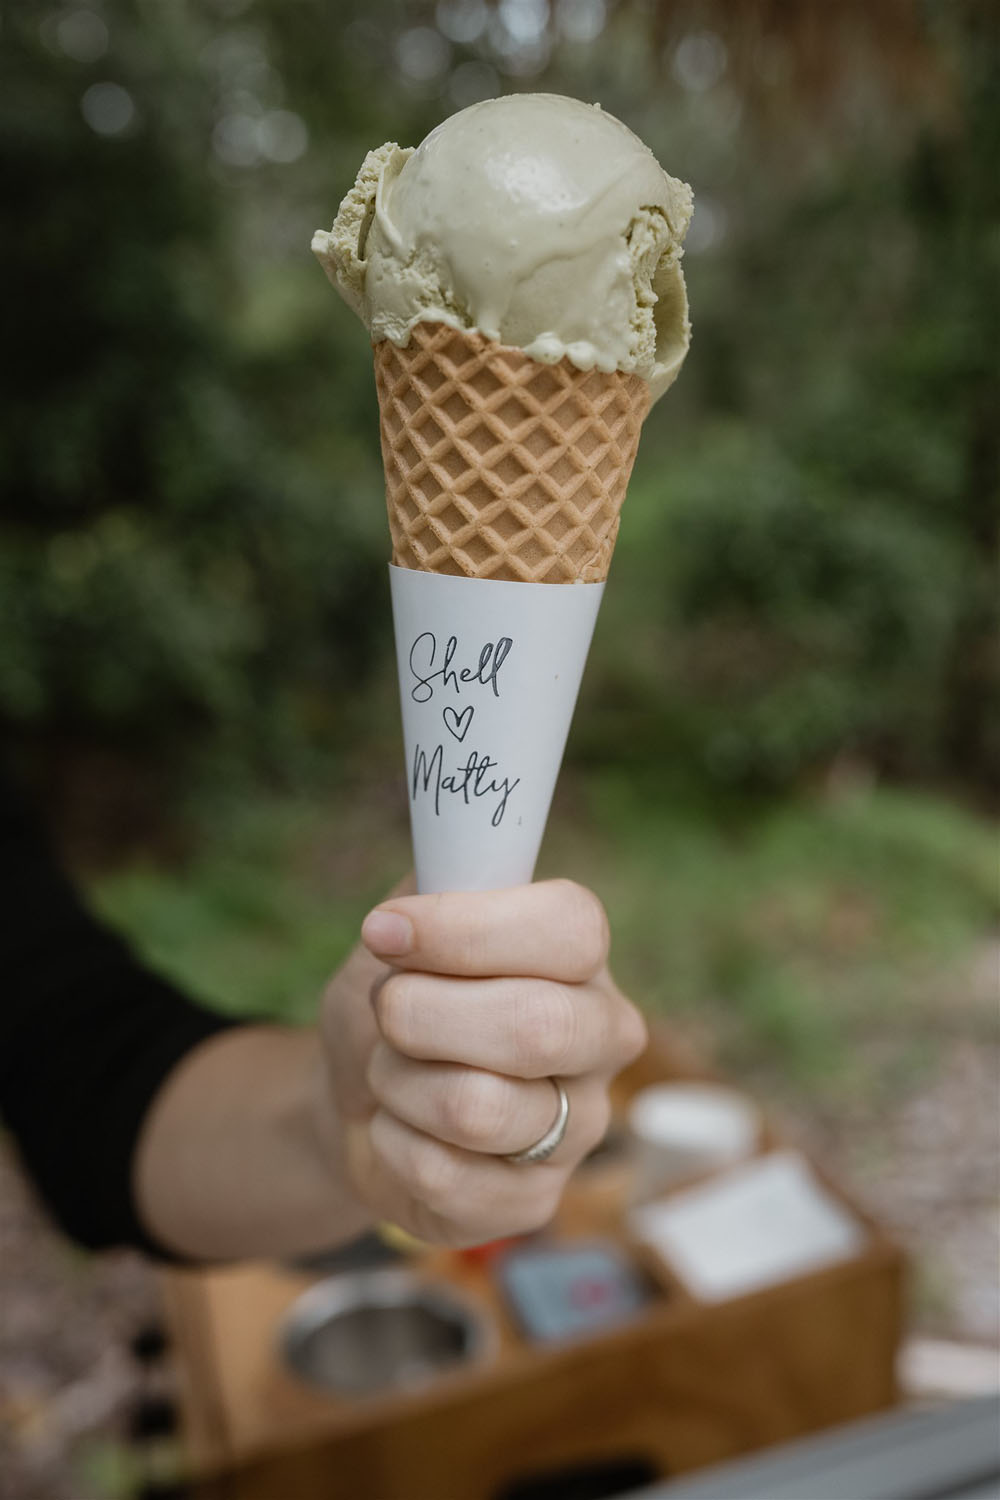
796, 945
192, 544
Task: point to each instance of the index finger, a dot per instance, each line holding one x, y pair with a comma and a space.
554, 929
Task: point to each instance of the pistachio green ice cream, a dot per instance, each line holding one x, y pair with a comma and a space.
539, 221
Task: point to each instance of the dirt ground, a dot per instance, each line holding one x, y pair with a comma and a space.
928, 1167
67, 1376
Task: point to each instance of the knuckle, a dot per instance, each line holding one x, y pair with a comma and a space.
470, 947
459, 929
435, 1176
475, 1107
586, 926
546, 1029
634, 1033
395, 1005
538, 1206
551, 1195
598, 1123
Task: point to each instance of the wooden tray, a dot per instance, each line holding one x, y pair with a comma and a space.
687, 1384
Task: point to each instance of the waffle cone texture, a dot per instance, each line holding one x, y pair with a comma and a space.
498, 466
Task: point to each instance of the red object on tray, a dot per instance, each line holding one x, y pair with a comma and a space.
484, 1255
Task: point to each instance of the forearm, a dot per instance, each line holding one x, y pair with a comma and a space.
241, 1153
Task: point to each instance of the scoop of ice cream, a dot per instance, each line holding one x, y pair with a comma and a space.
541, 221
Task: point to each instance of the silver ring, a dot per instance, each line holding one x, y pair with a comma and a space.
553, 1137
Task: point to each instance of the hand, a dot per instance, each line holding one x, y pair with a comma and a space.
441, 1041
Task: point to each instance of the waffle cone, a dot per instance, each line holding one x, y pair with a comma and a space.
498, 466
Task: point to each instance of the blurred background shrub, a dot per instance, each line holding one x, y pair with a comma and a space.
193, 540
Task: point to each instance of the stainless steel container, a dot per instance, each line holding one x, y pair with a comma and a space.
375, 1331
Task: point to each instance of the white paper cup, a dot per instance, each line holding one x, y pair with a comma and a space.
684, 1130
488, 677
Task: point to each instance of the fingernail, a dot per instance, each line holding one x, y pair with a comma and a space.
387, 932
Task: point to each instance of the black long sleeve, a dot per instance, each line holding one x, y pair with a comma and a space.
87, 1036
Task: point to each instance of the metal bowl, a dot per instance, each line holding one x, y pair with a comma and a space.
376, 1331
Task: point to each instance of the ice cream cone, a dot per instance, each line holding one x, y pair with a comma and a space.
519, 274
498, 466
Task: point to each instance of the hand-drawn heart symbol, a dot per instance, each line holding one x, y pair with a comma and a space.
458, 723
